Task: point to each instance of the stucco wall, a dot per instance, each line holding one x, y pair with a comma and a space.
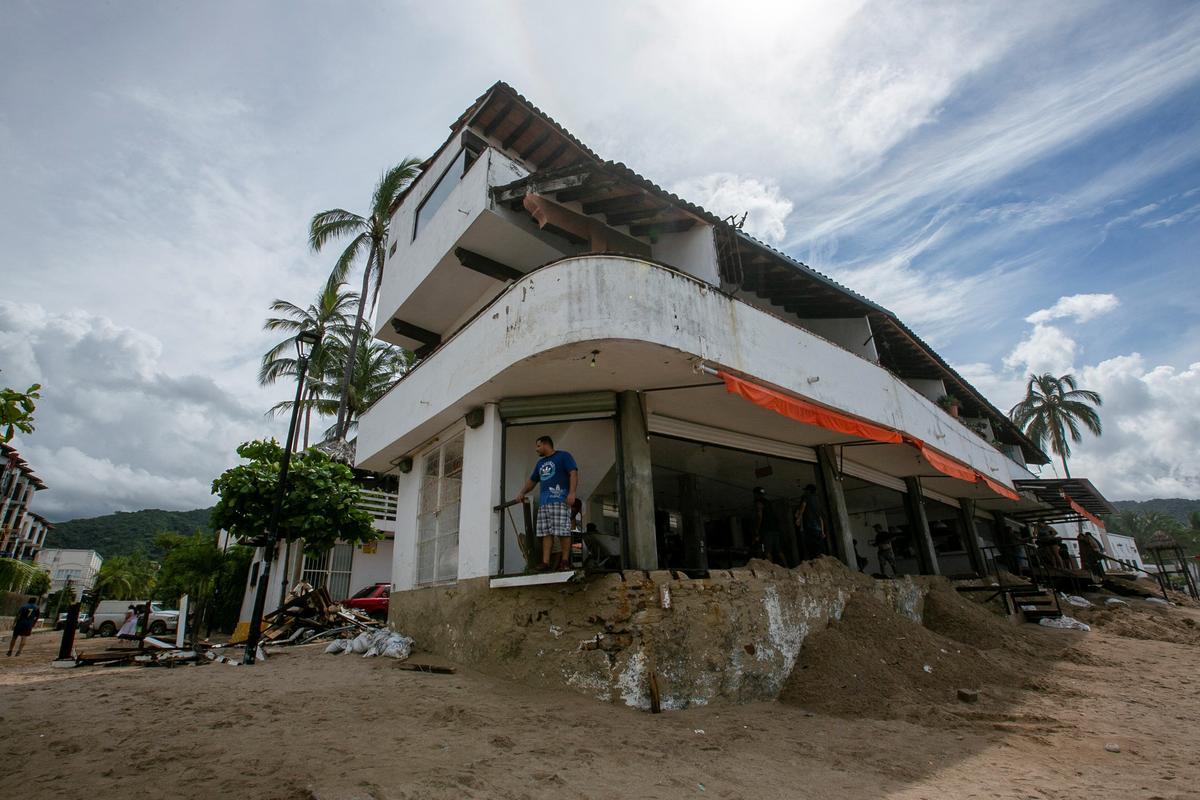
595, 298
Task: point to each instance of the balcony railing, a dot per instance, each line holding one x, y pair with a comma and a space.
380, 505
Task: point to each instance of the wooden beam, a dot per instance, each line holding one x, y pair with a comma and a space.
554, 154
614, 205
537, 145
511, 139
585, 191
410, 331
496, 120
486, 266
654, 228
538, 186
635, 215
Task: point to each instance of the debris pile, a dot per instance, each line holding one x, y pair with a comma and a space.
381, 642
308, 614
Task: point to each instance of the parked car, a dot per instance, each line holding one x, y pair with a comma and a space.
85, 620
372, 600
110, 614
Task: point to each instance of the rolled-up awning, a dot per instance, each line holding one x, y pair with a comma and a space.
810, 413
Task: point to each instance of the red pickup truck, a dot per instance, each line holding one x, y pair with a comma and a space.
372, 600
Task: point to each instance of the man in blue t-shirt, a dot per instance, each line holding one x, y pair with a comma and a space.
558, 477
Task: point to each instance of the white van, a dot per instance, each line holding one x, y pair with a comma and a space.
110, 614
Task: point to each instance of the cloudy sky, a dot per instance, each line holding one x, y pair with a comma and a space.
1020, 182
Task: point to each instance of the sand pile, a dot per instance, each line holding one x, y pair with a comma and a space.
877, 663
1142, 621
956, 616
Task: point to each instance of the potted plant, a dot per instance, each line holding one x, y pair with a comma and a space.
950, 403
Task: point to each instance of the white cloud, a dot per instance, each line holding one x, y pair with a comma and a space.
1080, 307
1046, 349
114, 430
726, 194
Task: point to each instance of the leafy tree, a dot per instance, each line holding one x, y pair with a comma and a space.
378, 366
195, 566
1194, 521
321, 505
39, 584
1053, 410
16, 411
131, 577
16, 575
367, 235
328, 317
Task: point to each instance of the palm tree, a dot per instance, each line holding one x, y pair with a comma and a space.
328, 317
368, 234
1053, 410
378, 366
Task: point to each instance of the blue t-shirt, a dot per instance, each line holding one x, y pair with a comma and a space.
554, 474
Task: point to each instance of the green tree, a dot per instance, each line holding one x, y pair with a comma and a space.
328, 317
39, 584
195, 566
368, 235
377, 367
131, 577
16, 575
321, 506
16, 411
1053, 411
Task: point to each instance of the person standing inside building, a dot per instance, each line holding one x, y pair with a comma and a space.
26, 618
810, 518
883, 550
558, 477
766, 528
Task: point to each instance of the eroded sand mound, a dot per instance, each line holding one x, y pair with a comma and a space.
874, 662
1142, 621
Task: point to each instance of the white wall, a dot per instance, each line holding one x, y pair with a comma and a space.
478, 537
930, 388
602, 297
694, 251
404, 549
414, 259
371, 568
852, 333
87, 562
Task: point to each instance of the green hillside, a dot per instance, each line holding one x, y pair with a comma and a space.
1141, 518
1175, 507
124, 532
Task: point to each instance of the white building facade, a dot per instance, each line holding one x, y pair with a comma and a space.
22, 531
78, 568
682, 363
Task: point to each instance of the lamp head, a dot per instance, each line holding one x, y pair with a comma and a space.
306, 343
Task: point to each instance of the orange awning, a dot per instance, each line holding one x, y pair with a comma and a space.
810, 413
1083, 512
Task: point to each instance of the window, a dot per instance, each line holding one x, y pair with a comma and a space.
445, 185
437, 517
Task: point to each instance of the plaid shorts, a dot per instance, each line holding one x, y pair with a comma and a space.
554, 519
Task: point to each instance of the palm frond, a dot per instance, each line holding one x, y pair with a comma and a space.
341, 268
392, 182
333, 224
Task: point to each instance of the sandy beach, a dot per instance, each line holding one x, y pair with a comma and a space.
309, 725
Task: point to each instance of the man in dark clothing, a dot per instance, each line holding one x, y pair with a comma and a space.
766, 528
810, 519
883, 550
27, 617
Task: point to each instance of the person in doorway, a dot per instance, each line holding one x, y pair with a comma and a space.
810, 519
1050, 546
558, 476
766, 528
27, 616
1091, 553
884, 551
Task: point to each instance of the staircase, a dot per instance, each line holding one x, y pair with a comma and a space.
1035, 603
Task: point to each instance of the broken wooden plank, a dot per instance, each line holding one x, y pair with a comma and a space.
432, 668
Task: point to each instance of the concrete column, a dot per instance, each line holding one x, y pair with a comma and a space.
971, 535
478, 532
637, 484
841, 535
695, 550
915, 502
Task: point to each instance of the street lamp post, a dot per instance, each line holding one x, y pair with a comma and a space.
306, 343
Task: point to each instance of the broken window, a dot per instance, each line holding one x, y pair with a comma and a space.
445, 185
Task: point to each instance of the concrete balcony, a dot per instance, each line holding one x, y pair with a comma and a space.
604, 322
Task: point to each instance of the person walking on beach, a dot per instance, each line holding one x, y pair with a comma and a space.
558, 476
129, 624
27, 617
